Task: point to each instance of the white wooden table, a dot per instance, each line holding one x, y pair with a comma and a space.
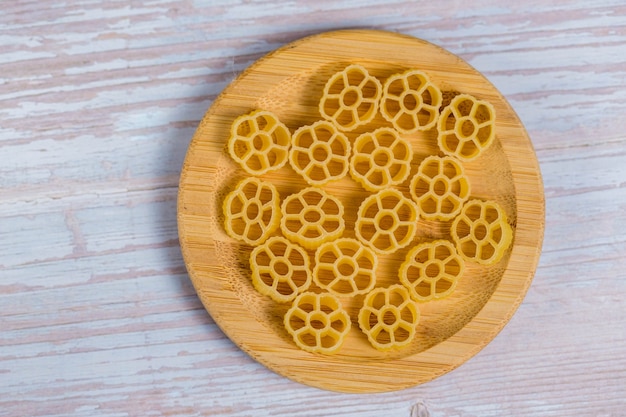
98, 103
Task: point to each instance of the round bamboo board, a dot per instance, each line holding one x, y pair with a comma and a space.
290, 82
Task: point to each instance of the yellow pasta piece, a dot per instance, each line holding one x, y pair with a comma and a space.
380, 159
312, 217
317, 322
386, 221
280, 269
440, 188
466, 127
344, 267
431, 270
410, 101
350, 98
389, 317
259, 142
481, 232
252, 211
320, 153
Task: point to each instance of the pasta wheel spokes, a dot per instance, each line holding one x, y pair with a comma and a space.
380, 159
280, 269
466, 127
317, 322
350, 98
410, 101
312, 217
345, 268
389, 317
481, 232
431, 270
259, 142
251, 211
320, 153
386, 221
440, 188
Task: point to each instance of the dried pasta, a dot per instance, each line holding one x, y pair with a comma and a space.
481, 232
350, 98
389, 317
431, 270
380, 159
344, 267
252, 211
280, 269
312, 217
440, 187
320, 153
410, 101
317, 322
466, 127
259, 142
386, 221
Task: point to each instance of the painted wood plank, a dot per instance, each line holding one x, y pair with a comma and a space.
98, 101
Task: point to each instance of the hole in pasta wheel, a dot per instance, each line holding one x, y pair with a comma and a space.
383, 337
440, 187
318, 321
261, 142
306, 307
350, 97
284, 288
346, 267
401, 334
484, 133
296, 322
281, 268
443, 285
427, 97
487, 251
382, 157
389, 317
480, 231
253, 210
338, 325
432, 270
312, 215
307, 339
410, 101
423, 289
320, 154
467, 127
407, 315
327, 341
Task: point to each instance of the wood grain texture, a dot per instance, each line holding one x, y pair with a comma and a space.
98, 103
289, 83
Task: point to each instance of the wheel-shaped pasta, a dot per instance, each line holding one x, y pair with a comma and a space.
350, 98
440, 188
280, 269
466, 127
317, 322
252, 211
344, 267
386, 221
431, 270
320, 153
389, 317
312, 217
481, 232
410, 101
380, 159
259, 142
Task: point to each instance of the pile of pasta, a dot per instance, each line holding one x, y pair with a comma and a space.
300, 253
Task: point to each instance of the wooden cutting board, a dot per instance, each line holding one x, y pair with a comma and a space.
290, 82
